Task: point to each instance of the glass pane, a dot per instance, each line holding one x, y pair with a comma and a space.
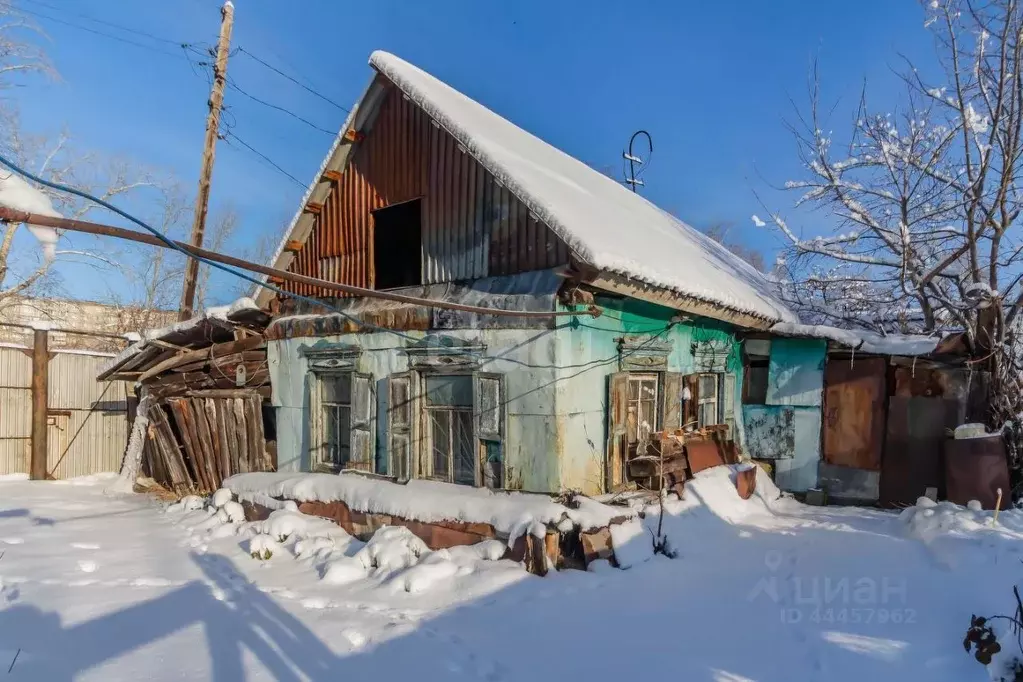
493, 470
465, 449
440, 441
328, 448
344, 435
647, 418
455, 391
708, 414
648, 389
633, 389
337, 388
708, 385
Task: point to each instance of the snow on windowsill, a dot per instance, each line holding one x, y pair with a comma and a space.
511, 514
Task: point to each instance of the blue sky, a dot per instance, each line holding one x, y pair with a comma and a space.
711, 81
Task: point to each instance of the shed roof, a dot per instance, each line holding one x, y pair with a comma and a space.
606, 225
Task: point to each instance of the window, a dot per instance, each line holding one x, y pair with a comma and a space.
707, 400
449, 423
642, 406
341, 428
397, 245
336, 408
756, 369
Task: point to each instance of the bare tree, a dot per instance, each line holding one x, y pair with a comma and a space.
720, 232
924, 199
23, 269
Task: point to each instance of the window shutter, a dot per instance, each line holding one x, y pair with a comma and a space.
728, 403
399, 424
618, 427
362, 422
488, 406
489, 409
671, 401
691, 402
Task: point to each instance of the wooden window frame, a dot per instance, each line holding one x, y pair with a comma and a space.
356, 426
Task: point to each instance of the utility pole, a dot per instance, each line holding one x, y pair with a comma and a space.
40, 401
202, 199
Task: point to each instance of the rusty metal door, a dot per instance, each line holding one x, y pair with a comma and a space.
853, 429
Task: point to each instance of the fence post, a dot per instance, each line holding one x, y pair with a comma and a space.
40, 399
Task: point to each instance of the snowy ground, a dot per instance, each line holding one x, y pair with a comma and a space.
113, 588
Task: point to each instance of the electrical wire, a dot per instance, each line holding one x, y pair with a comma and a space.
293, 80
230, 135
111, 24
234, 86
584, 367
111, 36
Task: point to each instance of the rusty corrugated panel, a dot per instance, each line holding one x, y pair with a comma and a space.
471, 226
853, 425
913, 443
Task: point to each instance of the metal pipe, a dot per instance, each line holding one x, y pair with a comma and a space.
10, 215
82, 332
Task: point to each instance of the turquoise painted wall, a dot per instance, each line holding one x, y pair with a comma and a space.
587, 352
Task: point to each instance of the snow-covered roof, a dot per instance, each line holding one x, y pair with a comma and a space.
606, 225
863, 340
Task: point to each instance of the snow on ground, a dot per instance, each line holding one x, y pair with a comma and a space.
94, 587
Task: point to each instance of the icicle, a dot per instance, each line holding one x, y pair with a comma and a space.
852, 358
912, 371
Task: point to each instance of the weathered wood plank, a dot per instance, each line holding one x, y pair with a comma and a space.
202, 428
238, 407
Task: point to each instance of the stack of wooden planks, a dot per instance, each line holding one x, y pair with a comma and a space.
207, 419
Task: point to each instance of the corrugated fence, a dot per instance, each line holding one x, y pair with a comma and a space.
87, 419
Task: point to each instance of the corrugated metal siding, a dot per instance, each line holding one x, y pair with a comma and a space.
15, 410
472, 226
92, 439
88, 419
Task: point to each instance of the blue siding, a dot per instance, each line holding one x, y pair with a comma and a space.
796, 372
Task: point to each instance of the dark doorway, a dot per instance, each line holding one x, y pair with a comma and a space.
397, 245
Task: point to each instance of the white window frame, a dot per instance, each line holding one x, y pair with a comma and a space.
642, 378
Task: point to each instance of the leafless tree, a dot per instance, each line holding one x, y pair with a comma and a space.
924, 199
720, 232
23, 269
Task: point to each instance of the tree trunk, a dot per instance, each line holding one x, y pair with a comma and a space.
132, 462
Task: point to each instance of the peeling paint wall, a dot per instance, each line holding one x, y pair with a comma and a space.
526, 358
555, 384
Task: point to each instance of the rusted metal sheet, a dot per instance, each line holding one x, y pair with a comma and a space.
853, 426
472, 226
770, 431
913, 445
966, 387
975, 469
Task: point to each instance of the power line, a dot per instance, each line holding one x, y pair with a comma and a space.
230, 135
295, 81
234, 86
111, 36
111, 24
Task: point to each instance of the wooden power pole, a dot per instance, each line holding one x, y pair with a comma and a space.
40, 401
202, 199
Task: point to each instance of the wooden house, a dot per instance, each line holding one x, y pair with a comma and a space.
429, 193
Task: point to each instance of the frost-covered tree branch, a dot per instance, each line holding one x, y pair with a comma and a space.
923, 197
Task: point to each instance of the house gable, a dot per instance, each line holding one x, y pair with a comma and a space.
472, 226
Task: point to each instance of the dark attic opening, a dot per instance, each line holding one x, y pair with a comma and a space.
397, 245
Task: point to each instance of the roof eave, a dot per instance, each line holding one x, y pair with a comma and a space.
627, 286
